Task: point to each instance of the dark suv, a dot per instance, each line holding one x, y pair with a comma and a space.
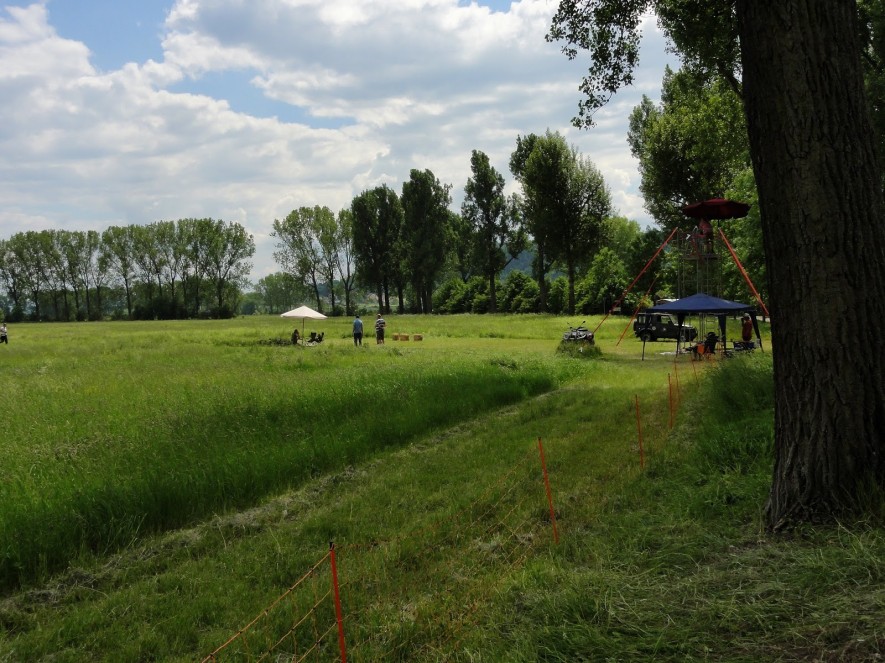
652, 326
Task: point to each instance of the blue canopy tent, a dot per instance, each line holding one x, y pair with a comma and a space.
702, 303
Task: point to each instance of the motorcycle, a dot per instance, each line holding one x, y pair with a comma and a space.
579, 335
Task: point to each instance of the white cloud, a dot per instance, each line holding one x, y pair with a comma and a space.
30, 48
366, 91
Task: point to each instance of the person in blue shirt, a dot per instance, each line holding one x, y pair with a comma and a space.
357, 331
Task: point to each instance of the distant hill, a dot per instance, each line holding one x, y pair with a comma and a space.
522, 263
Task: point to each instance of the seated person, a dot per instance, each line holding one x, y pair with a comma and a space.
710, 343
295, 337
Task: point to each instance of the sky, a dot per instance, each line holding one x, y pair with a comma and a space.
119, 113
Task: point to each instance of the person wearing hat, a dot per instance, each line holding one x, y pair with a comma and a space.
379, 330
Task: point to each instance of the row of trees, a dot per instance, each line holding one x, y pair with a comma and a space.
690, 146
413, 243
398, 243
413, 246
167, 269
403, 246
407, 244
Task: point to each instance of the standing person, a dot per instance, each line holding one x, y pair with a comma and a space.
379, 330
357, 331
4, 336
746, 328
706, 229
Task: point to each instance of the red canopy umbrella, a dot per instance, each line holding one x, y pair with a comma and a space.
716, 208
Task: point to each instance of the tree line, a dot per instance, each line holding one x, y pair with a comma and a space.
410, 246
167, 269
572, 252
575, 254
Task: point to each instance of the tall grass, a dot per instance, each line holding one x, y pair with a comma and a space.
120, 431
733, 433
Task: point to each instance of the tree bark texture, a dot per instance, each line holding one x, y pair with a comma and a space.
822, 216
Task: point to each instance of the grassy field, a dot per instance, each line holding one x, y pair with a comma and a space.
126, 429
164, 483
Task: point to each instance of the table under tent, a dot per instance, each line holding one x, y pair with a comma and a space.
704, 304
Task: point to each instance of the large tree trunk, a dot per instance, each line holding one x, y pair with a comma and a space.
822, 219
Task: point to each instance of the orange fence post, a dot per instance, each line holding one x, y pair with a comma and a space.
338, 617
678, 386
670, 388
639, 431
549, 492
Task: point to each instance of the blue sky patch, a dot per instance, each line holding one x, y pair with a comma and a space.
115, 31
235, 88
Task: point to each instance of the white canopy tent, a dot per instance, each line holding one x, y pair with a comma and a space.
303, 313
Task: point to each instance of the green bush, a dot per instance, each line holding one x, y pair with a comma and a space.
519, 294
481, 303
557, 296
449, 297
455, 296
528, 300
604, 282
